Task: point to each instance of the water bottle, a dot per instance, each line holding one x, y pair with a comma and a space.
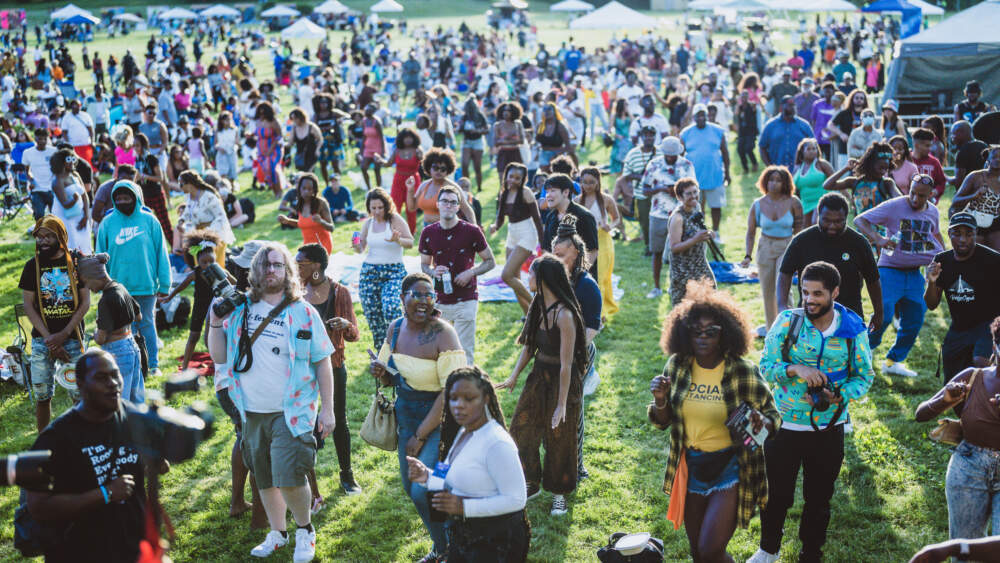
895, 239
446, 282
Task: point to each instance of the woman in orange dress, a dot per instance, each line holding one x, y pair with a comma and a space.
314, 218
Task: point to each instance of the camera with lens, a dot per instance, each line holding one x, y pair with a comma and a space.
26, 470
820, 402
162, 432
231, 297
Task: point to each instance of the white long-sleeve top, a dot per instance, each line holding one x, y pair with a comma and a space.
488, 472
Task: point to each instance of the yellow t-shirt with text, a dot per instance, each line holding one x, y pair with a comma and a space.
704, 410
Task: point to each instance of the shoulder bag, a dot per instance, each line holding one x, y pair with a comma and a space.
379, 428
949, 430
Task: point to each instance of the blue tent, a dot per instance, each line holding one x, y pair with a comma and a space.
80, 19
911, 14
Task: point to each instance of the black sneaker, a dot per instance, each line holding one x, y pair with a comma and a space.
582, 474
533, 491
348, 485
431, 558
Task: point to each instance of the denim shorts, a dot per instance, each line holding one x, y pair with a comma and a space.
43, 367
698, 460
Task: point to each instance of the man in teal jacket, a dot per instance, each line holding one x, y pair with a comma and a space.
132, 236
814, 355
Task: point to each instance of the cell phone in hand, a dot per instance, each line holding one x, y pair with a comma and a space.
389, 369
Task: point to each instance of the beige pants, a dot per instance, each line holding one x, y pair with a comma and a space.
462, 316
769, 253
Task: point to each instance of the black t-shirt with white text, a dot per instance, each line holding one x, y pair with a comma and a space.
851, 253
53, 295
82, 460
970, 286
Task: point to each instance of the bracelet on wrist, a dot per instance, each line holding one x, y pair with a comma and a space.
658, 406
105, 494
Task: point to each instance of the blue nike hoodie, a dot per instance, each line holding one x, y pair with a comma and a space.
135, 243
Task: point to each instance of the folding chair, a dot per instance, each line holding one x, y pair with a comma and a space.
14, 191
21, 348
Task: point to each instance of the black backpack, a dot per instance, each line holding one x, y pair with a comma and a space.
652, 553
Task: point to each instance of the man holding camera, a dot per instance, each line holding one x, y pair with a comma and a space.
133, 238
817, 359
658, 185
273, 356
98, 498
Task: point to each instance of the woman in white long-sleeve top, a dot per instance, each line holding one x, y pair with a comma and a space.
484, 488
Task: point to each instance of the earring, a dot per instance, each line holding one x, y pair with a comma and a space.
315, 275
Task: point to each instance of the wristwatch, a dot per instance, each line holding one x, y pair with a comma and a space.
963, 548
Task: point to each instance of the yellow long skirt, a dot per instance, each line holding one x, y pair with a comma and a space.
605, 267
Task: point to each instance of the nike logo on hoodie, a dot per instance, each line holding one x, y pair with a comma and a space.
127, 234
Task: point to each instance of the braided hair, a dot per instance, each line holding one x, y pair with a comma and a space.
566, 233
449, 427
551, 272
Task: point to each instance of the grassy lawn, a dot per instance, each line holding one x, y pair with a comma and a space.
889, 502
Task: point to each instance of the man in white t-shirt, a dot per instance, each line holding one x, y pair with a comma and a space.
651, 118
631, 92
574, 112
78, 128
306, 93
595, 85
37, 158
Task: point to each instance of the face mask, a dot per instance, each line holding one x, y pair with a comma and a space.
867, 120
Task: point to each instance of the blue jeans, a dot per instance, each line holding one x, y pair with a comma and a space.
972, 487
40, 201
411, 408
43, 367
905, 288
147, 327
126, 353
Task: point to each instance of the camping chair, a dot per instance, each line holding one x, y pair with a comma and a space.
14, 190
20, 349
68, 90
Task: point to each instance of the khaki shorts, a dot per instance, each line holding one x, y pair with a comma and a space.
276, 458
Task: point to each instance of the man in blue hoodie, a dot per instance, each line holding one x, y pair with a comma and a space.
133, 238
816, 359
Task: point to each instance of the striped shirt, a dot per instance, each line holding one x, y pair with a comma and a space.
636, 161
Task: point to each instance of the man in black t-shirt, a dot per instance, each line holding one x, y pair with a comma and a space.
832, 241
971, 107
559, 195
969, 155
55, 302
967, 276
98, 495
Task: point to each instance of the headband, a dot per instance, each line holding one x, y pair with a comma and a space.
196, 249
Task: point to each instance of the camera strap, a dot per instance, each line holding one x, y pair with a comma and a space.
245, 347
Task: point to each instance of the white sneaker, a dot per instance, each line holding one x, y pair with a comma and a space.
305, 545
590, 384
763, 557
271, 543
558, 505
654, 293
898, 368
717, 238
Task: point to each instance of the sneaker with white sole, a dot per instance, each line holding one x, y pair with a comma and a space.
590, 383
654, 293
305, 545
558, 505
898, 368
271, 543
763, 557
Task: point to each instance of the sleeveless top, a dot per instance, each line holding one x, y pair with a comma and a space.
547, 339
988, 203
517, 211
554, 140
152, 132
980, 420
784, 227
809, 182
381, 251
868, 194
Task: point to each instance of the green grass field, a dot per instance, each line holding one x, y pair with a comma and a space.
890, 495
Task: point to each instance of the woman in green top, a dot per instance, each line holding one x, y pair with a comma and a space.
871, 184
811, 170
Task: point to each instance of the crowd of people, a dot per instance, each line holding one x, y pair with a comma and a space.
134, 186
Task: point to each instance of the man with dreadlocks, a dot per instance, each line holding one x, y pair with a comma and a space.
550, 401
571, 250
55, 302
486, 491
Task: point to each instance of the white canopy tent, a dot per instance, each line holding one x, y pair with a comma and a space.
280, 12
220, 11
331, 7
813, 5
745, 6
69, 11
926, 8
303, 29
571, 6
127, 17
614, 15
387, 6
177, 14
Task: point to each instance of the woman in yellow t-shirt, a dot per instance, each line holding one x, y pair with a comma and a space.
714, 482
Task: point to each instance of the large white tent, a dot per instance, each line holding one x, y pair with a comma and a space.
280, 12
68, 11
387, 6
926, 8
813, 5
177, 14
613, 15
745, 6
303, 29
571, 6
127, 17
220, 11
331, 7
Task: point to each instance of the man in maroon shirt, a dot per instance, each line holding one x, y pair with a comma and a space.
926, 162
448, 252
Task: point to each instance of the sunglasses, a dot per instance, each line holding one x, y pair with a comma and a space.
710, 331
924, 179
439, 167
421, 296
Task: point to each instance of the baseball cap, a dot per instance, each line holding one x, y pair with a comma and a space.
962, 219
699, 108
671, 146
891, 104
808, 80
786, 70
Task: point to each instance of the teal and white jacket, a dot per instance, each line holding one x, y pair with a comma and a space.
851, 376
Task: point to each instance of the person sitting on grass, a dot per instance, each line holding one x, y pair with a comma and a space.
199, 254
341, 203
